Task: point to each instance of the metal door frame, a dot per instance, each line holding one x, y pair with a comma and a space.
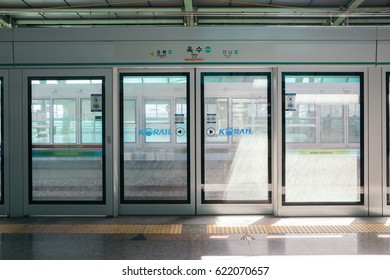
385, 90
59, 209
162, 208
4, 206
320, 210
226, 208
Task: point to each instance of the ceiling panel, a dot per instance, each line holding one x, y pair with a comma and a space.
62, 16
208, 3
13, 4
167, 3
207, 12
88, 3
129, 4
375, 3
252, 3
287, 3
146, 3
330, 3
45, 3
29, 16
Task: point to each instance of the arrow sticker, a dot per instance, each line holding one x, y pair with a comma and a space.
211, 131
180, 131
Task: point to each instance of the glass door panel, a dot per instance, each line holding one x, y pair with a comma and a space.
40, 121
129, 121
64, 121
91, 123
63, 169
154, 138
322, 138
236, 144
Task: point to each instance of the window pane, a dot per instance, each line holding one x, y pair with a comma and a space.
236, 143
40, 121
154, 147
129, 121
91, 124
300, 124
216, 117
64, 120
332, 124
181, 120
323, 163
354, 123
63, 168
157, 120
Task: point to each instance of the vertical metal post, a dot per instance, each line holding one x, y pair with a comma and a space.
375, 153
18, 173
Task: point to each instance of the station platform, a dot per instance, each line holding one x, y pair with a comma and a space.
189, 238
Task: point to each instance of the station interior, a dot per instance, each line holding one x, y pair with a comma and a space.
194, 130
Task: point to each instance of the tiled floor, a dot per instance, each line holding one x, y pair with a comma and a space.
185, 238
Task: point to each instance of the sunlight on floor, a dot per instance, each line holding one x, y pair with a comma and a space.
314, 222
237, 220
387, 222
304, 236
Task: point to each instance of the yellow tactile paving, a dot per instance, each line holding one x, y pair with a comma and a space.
269, 229
90, 228
177, 229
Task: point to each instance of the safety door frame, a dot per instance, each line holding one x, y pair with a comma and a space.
385, 112
106, 208
232, 208
175, 208
4, 205
320, 209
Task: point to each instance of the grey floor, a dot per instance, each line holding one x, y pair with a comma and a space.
194, 242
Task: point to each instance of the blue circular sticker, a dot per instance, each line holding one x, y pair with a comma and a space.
148, 132
229, 131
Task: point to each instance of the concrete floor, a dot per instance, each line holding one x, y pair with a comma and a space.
196, 238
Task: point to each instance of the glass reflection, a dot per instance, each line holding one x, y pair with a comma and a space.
322, 138
67, 129
236, 143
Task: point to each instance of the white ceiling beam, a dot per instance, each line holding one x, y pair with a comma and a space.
189, 10
351, 7
4, 22
99, 22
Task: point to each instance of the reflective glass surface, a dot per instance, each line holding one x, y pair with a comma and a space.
129, 121
67, 160
64, 121
322, 138
91, 123
154, 138
236, 138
